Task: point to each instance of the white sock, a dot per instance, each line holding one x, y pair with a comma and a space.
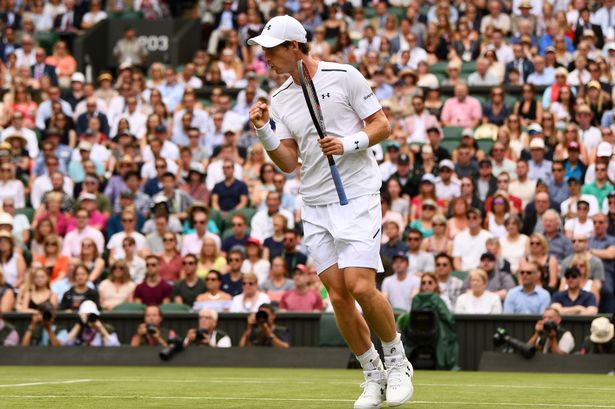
395, 347
370, 360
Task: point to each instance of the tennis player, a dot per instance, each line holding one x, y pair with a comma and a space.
343, 240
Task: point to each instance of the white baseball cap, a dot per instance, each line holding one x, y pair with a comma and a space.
88, 307
280, 29
605, 149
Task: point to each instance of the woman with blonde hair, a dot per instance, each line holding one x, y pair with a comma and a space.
513, 243
209, 258
256, 159
458, 221
156, 75
35, 292
118, 288
439, 241
90, 258
231, 69
537, 252
21, 101
53, 262
478, 300
65, 64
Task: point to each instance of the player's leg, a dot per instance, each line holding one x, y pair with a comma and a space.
349, 320
361, 284
357, 233
355, 331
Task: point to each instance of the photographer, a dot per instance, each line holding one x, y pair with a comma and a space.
262, 330
549, 337
207, 334
8, 334
89, 330
150, 332
42, 331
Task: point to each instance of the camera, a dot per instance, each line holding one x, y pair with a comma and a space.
92, 318
262, 317
151, 329
175, 345
201, 333
501, 339
46, 311
549, 326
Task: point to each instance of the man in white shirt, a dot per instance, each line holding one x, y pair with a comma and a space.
42, 184
524, 188
590, 135
26, 55
541, 75
420, 261
200, 120
136, 119
447, 184
482, 77
262, 224
469, 244
344, 244
500, 162
399, 287
503, 51
605, 16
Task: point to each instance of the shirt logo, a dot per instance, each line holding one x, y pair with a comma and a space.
356, 148
327, 95
371, 94
269, 27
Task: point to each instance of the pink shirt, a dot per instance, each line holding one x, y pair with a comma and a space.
293, 301
462, 114
72, 241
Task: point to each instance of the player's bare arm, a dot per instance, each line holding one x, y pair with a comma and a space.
285, 156
377, 128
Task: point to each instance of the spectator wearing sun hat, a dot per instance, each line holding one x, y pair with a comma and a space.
600, 340
539, 167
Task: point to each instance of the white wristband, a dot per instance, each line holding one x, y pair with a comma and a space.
356, 142
267, 137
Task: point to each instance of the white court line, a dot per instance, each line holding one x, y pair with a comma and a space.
267, 381
20, 385
264, 399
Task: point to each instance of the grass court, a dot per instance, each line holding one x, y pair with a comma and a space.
140, 387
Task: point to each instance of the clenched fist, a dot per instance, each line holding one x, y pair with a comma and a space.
259, 114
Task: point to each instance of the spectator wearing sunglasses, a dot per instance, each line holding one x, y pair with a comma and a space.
528, 297
186, 290
153, 290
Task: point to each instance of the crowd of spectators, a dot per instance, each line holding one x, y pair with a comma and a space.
146, 183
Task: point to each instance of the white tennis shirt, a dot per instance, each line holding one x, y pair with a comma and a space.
345, 100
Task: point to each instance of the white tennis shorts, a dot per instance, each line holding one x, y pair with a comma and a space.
347, 235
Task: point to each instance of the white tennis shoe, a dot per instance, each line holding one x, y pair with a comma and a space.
374, 389
399, 380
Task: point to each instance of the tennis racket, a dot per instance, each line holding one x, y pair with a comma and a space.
311, 99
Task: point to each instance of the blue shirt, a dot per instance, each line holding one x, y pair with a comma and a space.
230, 196
585, 298
558, 193
519, 302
